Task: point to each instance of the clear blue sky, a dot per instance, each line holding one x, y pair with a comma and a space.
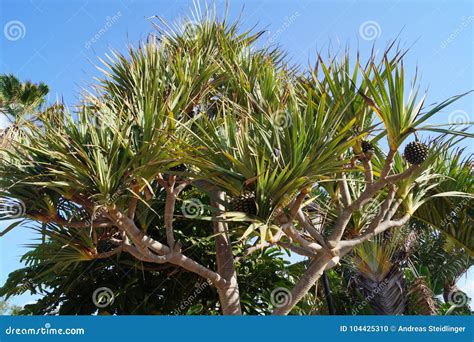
59, 42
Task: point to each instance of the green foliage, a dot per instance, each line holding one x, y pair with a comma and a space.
447, 209
19, 100
7, 309
438, 259
144, 289
62, 272
386, 95
240, 119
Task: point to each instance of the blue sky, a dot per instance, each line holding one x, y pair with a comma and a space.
59, 42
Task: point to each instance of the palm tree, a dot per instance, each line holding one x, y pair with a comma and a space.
405, 273
18, 103
379, 275
206, 111
18, 99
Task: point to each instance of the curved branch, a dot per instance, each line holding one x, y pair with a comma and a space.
169, 211
304, 284
395, 178
298, 202
291, 232
368, 193
388, 164
165, 254
346, 246
368, 171
108, 254
298, 250
309, 227
345, 194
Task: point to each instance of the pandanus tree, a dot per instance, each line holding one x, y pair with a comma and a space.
401, 271
142, 288
199, 108
308, 139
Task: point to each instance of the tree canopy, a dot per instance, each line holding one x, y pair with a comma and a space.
197, 121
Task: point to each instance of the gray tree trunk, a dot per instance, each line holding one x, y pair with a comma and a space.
312, 274
229, 295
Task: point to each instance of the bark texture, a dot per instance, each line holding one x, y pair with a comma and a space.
229, 295
312, 274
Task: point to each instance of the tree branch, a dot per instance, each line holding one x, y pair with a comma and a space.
229, 297
369, 192
383, 209
388, 164
394, 209
143, 255
165, 254
395, 178
345, 194
110, 253
169, 211
172, 192
309, 227
83, 201
297, 249
298, 202
161, 181
181, 187
379, 218
346, 246
304, 284
291, 232
369, 173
